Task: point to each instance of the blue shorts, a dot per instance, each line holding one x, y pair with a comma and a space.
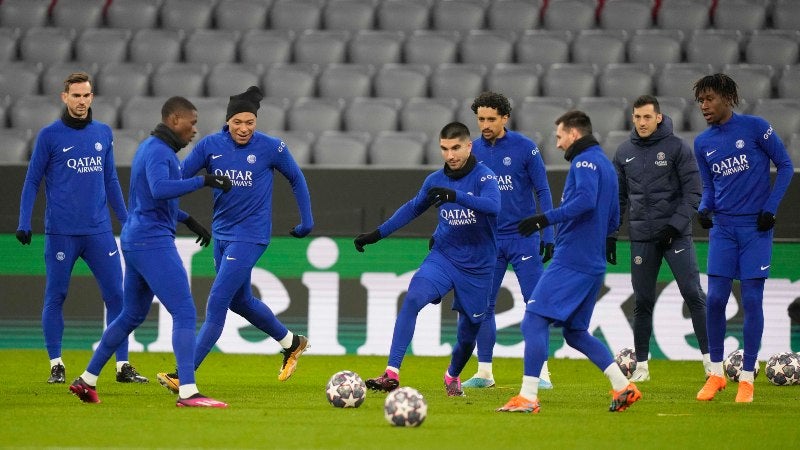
740, 252
471, 290
566, 296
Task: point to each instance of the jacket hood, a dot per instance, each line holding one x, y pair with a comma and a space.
663, 130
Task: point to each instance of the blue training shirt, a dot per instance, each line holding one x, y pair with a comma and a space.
519, 167
80, 180
245, 213
734, 161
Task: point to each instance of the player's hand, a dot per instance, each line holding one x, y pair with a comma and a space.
704, 219
546, 251
438, 195
300, 231
532, 224
203, 236
218, 181
765, 221
24, 236
665, 236
366, 238
611, 250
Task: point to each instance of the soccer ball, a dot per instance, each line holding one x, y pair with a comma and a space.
732, 365
346, 389
626, 360
405, 407
783, 369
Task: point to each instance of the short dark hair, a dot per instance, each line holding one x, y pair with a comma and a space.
721, 84
454, 130
76, 77
647, 100
492, 100
576, 120
174, 105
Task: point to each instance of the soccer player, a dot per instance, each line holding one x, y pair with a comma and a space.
153, 266
462, 258
567, 291
520, 171
739, 207
242, 225
659, 186
75, 157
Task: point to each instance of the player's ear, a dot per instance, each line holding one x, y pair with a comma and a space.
659, 117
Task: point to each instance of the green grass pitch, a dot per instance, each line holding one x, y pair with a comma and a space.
266, 413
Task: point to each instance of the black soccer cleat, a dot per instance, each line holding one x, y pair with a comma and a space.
128, 374
58, 374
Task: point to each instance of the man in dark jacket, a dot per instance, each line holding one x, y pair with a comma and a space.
660, 189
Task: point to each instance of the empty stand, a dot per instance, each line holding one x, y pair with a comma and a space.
376, 47
677, 80
656, 46
341, 148
754, 81
123, 80
187, 14
629, 80
78, 14
487, 47
789, 82
457, 80
514, 15
47, 45
785, 14
398, 148
607, 113
54, 75
211, 114
133, 14
458, 15
570, 80
295, 15
17, 145
574, 15
352, 15
431, 47
9, 39
126, 142
782, 113
141, 113
156, 46
515, 81
346, 81
186, 79
315, 115
539, 113
211, 46
33, 112
228, 79
612, 141
321, 46
686, 15
626, 15
106, 110
272, 113
102, 45
372, 114
299, 144
676, 109
403, 15
774, 47
402, 81
428, 116
599, 46
715, 47
290, 80
241, 15
24, 13
266, 46
543, 47
465, 115
20, 78
743, 15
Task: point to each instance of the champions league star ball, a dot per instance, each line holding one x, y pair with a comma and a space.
626, 360
346, 389
732, 365
783, 369
405, 407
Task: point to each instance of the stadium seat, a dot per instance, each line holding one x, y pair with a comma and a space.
186, 15
543, 47
428, 115
688, 137
514, 15
607, 113
316, 115
789, 82
698, 123
54, 75
126, 142
457, 80
656, 46
612, 141
553, 157
686, 15
341, 148
186, 79
211, 113
629, 80
628, 15
266, 46
742, 15
351, 15
241, 15
372, 114
133, 14
124, 80
346, 81
9, 43
141, 113
793, 147
465, 115
754, 81
299, 144
32, 112
458, 15
785, 14
573, 15
78, 14
290, 80
106, 110
156, 46
676, 109
515, 81
677, 80
20, 78
398, 149
211, 46
272, 113
295, 15
539, 113
570, 80
774, 47
487, 47
102, 45
715, 47
431, 47
782, 113
376, 47
402, 81
599, 46
24, 13
17, 146
47, 45
403, 15
321, 46
226, 79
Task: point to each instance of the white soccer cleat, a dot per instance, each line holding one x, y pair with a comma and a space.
640, 374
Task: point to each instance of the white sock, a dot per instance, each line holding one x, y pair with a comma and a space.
187, 390
716, 368
120, 364
530, 387
706, 358
56, 361
642, 364
485, 370
545, 373
286, 342
615, 376
747, 375
89, 378
393, 369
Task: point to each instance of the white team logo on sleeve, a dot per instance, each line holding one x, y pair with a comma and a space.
98, 146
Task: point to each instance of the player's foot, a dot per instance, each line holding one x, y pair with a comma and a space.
520, 404
58, 374
624, 398
128, 374
545, 384
453, 386
87, 394
384, 383
478, 382
745, 392
640, 374
290, 356
714, 384
169, 381
199, 400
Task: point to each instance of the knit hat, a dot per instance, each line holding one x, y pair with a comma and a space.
247, 101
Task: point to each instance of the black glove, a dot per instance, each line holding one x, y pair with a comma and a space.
665, 236
300, 231
765, 221
704, 219
430, 243
366, 238
532, 224
611, 250
438, 195
203, 236
546, 250
218, 181
24, 237
794, 311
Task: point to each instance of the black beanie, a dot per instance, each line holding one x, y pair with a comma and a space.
247, 101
